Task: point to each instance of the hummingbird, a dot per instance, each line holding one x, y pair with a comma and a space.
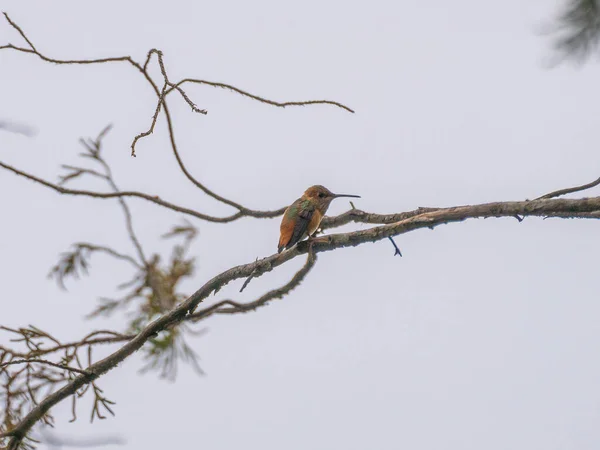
302, 218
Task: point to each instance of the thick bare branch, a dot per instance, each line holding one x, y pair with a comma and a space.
539, 208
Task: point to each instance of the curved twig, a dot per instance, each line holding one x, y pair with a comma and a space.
566, 191
258, 98
109, 251
150, 198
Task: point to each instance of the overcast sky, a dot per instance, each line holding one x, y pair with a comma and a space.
484, 335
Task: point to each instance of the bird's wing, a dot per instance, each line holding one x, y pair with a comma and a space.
294, 226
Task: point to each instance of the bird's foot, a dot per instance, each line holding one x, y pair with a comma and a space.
307, 244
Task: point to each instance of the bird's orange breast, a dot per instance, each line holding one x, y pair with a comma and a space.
315, 221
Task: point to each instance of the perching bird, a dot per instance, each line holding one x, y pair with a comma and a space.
302, 218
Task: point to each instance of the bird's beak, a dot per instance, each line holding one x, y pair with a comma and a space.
345, 195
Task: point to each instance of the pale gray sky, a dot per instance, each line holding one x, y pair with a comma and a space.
484, 335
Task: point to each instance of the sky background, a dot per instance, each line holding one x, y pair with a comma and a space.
484, 335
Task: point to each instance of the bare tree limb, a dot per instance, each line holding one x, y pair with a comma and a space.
539, 208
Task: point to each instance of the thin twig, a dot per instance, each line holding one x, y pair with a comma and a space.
76, 172
150, 130
566, 191
258, 98
109, 251
163, 71
43, 361
248, 280
396, 249
16, 27
128, 219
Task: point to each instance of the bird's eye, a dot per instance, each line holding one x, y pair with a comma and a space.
322, 195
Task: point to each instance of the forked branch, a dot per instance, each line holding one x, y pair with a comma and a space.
161, 94
537, 208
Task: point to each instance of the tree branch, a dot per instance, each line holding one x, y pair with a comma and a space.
16, 27
540, 208
566, 191
353, 215
109, 337
161, 94
151, 198
43, 361
358, 216
128, 219
236, 307
109, 251
258, 98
